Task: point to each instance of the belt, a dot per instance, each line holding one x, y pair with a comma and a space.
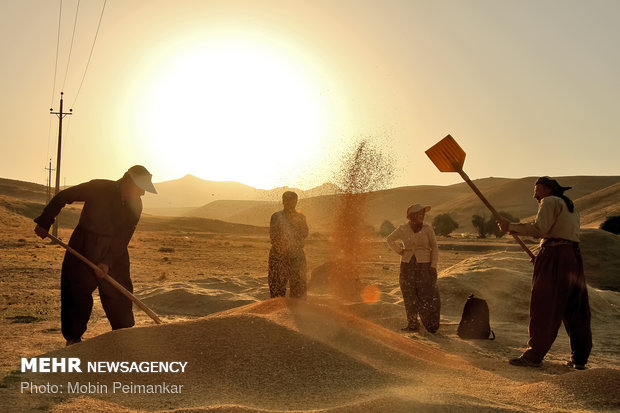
554, 242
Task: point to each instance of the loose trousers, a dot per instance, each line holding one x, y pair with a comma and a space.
559, 294
287, 268
78, 281
418, 284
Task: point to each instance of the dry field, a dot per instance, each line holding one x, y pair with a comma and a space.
211, 291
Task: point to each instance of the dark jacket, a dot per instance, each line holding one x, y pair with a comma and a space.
110, 220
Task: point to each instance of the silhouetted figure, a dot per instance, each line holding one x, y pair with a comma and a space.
287, 261
559, 292
109, 217
416, 244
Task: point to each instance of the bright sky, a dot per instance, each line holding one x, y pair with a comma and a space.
270, 93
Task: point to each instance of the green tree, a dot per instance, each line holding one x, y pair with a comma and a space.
488, 225
491, 224
443, 224
478, 221
386, 228
611, 224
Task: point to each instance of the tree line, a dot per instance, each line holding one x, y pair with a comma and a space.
444, 225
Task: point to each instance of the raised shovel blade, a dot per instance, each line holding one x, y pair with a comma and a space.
447, 155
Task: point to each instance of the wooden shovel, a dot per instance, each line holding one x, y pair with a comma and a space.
448, 156
109, 279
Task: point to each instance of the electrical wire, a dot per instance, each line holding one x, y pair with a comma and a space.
91, 54
71, 47
57, 47
49, 132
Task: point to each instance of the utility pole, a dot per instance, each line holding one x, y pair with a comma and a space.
60, 115
49, 180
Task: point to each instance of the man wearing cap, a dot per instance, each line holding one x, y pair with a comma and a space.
415, 242
109, 217
559, 293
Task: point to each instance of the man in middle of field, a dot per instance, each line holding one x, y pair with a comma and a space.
287, 261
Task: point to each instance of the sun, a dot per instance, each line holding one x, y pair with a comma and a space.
234, 110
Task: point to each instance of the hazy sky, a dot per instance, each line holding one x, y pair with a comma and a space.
271, 93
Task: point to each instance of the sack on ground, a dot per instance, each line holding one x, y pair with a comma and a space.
475, 320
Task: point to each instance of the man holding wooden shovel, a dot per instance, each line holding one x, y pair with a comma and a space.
559, 291
109, 217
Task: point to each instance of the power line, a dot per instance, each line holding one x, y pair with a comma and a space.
71, 47
57, 47
49, 132
91, 54
61, 114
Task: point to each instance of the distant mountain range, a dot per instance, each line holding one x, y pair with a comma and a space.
596, 197
178, 196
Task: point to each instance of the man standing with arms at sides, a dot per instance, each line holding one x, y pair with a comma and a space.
109, 217
287, 261
559, 291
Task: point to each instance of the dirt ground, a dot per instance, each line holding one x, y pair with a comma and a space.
166, 263
30, 276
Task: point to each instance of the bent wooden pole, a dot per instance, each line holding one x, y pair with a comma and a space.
109, 279
448, 156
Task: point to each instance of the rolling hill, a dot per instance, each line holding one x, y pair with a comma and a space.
596, 197
176, 197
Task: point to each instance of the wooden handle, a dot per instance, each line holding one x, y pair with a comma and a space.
109, 279
494, 212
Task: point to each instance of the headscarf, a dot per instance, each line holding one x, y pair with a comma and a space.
557, 190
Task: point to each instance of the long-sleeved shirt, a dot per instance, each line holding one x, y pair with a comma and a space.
288, 231
553, 220
105, 214
421, 244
